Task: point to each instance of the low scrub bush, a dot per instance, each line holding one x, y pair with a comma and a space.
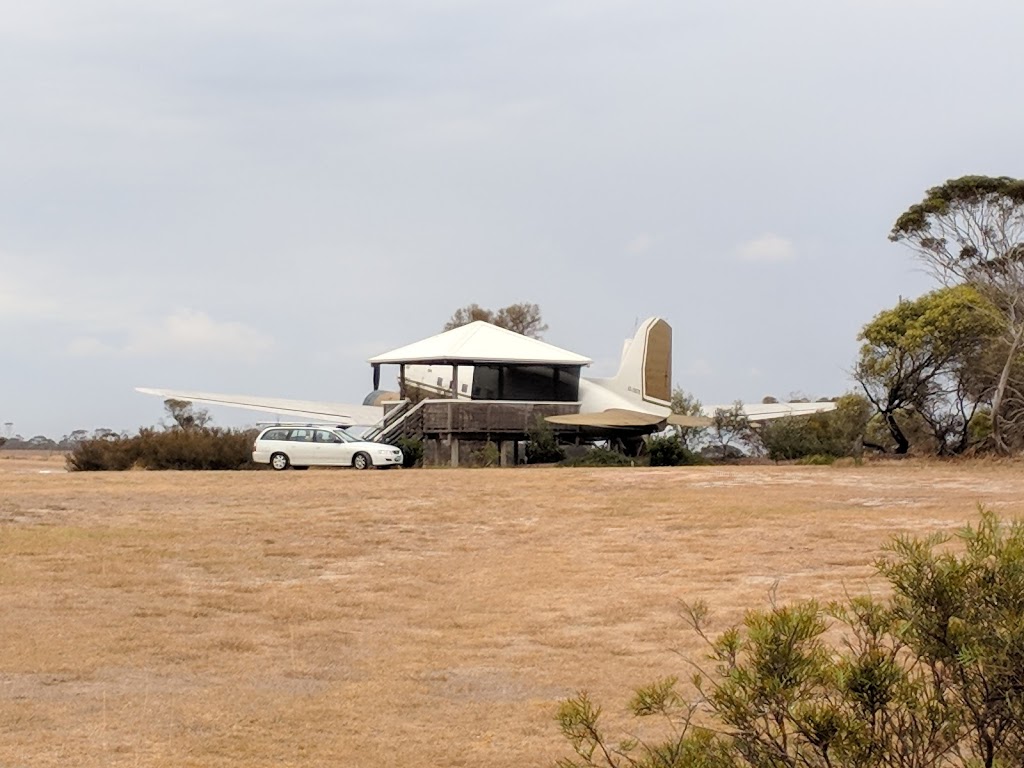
542, 445
196, 448
110, 452
204, 448
486, 456
600, 457
832, 433
412, 451
670, 451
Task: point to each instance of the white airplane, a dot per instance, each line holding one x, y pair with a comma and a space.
636, 399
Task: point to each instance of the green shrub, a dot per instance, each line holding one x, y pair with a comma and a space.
488, 456
832, 433
788, 438
931, 675
669, 451
541, 444
412, 451
600, 457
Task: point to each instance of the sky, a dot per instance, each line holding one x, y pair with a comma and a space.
255, 197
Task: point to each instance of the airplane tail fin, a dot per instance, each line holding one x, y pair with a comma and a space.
645, 371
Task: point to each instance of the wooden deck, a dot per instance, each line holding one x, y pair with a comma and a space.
478, 419
455, 431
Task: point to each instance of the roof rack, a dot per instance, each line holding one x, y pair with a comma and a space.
320, 424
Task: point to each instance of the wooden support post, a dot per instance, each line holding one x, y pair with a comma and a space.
455, 451
401, 381
376, 377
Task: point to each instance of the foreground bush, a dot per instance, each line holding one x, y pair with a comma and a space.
932, 677
194, 448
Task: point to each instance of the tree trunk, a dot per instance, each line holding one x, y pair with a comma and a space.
902, 443
1000, 393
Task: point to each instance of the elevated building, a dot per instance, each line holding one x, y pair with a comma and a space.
476, 384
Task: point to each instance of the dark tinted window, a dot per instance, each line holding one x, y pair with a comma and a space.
276, 434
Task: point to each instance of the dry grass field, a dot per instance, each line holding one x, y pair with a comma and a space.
404, 618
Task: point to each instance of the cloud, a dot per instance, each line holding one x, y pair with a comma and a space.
18, 300
640, 244
767, 249
699, 367
90, 346
188, 333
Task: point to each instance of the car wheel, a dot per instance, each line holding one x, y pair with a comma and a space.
361, 461
279, 461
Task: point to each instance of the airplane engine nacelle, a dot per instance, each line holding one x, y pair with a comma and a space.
380, 396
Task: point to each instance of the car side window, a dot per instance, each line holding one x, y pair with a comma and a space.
276, 434
323, 436
301, 436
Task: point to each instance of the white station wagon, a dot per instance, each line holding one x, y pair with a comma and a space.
318, 446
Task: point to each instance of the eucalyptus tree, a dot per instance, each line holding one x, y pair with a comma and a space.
524, 318
970, 230
921, 358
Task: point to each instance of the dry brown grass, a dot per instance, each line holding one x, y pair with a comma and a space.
414, 618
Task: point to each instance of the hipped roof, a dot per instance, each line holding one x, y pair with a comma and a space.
481, 343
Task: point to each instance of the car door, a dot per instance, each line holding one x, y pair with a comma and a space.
269, 443
300, 447
330, 450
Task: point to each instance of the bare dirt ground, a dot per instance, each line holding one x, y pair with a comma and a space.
413, 618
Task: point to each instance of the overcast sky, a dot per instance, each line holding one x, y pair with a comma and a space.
254, 197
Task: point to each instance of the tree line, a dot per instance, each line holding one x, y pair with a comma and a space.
946, 369
941, 374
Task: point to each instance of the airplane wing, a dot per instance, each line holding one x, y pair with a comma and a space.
684, 420
620, 417
759, 412
339, 413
